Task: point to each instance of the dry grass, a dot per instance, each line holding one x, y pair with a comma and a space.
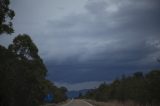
113, 103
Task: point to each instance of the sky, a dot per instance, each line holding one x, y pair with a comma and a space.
87, 42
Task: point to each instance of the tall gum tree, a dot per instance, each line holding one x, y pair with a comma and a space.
6, 16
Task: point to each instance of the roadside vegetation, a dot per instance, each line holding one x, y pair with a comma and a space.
114, 103
22, 71
140, 89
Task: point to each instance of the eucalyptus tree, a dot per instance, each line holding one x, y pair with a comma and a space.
6, 16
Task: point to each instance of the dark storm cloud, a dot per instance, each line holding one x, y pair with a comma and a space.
111, 38
94, 40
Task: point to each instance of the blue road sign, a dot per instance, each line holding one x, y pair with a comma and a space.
49, 98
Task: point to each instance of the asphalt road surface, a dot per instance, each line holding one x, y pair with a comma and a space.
77, 103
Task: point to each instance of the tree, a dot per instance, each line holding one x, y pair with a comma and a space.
6, 76
24, 47
139, 88
6, 15
22, 75
22, 71
80, 95
59, 94
153, 86
34, 71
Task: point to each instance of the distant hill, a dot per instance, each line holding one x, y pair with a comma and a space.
74, 94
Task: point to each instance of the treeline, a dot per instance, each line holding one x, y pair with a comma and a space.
142, 89
22, 72
22, 75
59, 94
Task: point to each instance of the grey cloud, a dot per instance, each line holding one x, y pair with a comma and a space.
100, 41
96, 7
108, 40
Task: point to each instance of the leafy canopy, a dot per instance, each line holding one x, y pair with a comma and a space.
6, 15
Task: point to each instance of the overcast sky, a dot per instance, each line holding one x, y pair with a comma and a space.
86, 42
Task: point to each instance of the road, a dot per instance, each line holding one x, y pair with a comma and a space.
77, 103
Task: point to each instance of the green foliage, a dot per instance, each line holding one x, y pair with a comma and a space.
153, 86
22, 71
59, 93
22, 75
24, 47
143, 89
7, 76
22, 80
6, 15
80, 95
